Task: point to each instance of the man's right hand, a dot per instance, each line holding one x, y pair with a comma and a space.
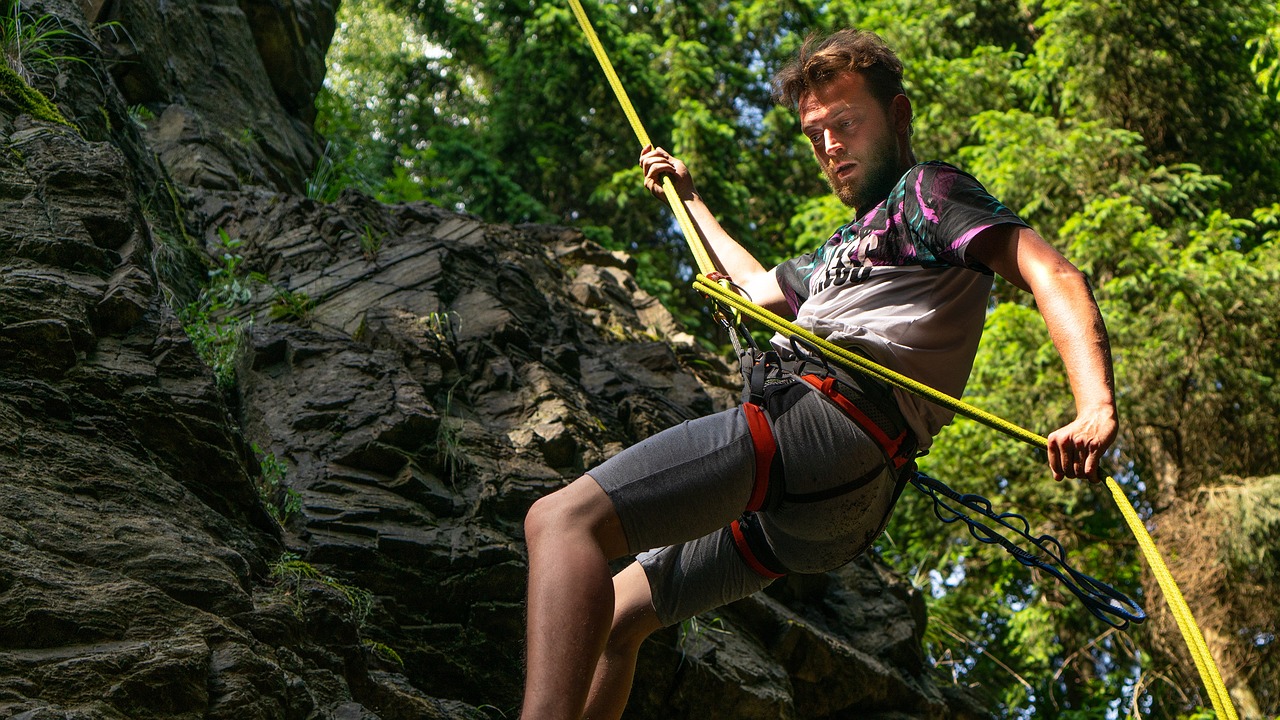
728, 256
656, 163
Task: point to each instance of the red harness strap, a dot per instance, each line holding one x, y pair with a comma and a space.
891, 446
766, 448
749, 555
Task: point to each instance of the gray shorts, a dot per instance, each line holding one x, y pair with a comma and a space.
679, 491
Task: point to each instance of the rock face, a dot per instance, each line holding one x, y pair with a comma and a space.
408, 382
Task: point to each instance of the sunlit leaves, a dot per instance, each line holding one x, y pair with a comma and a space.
1137, 136
1045, 168
1266, 55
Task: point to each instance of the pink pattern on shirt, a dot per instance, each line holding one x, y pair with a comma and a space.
929, 214
965, 238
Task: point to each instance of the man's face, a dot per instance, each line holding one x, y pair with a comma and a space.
854, 140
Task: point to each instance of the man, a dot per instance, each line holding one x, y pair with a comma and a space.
905, 283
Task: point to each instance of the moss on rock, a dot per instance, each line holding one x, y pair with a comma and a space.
27, 98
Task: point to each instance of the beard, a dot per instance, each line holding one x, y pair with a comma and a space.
873, 179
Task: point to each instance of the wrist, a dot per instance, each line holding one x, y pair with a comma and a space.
1098, 411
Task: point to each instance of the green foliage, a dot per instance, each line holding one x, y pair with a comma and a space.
1266, 56
384, 652
216, 340
1252, 540
370, 243
280, 500
13, 87
453, 459
1194, 322
336, 170
1044, 168
696, 628
29, 44
213, 331
444, 327
1176, 73
1136, 135
141, 115
293, 576
291, 305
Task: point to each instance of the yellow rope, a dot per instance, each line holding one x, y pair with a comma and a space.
1205, 664
1191, 634
687, 228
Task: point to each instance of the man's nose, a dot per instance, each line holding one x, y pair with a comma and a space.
831, 143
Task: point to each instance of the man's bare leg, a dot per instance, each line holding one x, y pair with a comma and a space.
572, 535
634, 619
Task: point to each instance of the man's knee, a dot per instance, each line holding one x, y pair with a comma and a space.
580, 507
545, 517
629, 631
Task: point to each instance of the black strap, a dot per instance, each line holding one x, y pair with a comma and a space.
757, 367
838, 490
1105, 602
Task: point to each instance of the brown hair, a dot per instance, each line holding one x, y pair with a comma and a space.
821, 59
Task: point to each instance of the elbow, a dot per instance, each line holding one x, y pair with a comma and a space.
1058, 278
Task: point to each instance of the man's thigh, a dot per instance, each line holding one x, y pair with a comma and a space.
683, 483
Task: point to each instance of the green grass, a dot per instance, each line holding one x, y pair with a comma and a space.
29, 43
29, 46
290, 305
370, 243
292, 575
449, 441
335, 171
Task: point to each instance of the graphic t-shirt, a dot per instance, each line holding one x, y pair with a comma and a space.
895, 284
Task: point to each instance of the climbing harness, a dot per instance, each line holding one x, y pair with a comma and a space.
873, 410
1118, 606
868, 405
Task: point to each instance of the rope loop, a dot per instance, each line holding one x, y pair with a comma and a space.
1104, 601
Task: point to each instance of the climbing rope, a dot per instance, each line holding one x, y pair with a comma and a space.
1191, 634
687, 228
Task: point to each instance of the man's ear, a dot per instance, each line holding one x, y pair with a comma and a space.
901, 110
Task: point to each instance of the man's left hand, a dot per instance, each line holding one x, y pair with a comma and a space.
1075, 450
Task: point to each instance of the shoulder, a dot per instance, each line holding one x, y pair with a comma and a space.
946, 208
945, 193
938, 181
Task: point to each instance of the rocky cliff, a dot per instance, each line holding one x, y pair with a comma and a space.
329, 525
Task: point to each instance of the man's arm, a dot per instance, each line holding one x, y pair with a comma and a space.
760, 284
1063, 296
